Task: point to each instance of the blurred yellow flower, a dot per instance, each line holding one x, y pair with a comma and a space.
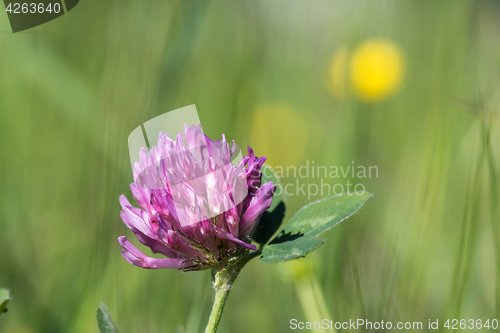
338, 73
308, 289
376, 69
280, 133
299, 270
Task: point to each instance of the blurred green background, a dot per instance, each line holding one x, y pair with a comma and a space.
267, 74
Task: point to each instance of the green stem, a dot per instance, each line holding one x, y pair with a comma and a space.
220, 300
223, 278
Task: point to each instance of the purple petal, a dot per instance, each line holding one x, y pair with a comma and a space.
232, 221
124, 201
258, 205
135, 218
226, 235
141, 195
178, 244
194, 136
207, 232
137, 258
155, 245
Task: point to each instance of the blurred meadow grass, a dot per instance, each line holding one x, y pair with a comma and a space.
426, 246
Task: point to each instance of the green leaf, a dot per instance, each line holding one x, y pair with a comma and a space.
298, 238
297, 248
271, 220
317, 217
104, 321
4, 300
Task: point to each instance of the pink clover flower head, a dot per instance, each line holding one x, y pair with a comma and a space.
198, 209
